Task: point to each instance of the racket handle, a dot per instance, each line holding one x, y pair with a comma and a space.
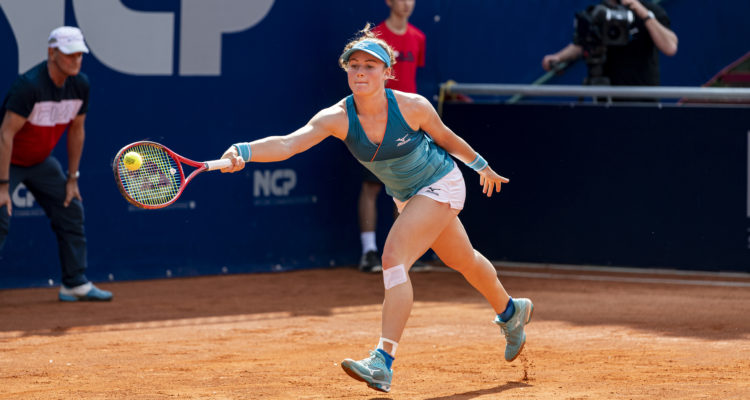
218, 164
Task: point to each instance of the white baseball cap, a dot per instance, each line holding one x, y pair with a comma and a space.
68, 39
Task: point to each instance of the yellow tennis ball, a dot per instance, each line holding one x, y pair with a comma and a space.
132, 160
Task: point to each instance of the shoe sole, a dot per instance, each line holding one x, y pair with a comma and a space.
353, 373
528, 319
71, 299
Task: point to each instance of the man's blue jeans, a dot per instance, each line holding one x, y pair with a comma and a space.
46, 181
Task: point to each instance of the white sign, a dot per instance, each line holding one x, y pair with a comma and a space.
136, 42
22, 197
277, 182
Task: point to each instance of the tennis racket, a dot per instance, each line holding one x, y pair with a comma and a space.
160, 179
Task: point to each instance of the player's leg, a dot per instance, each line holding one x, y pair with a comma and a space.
419, 224
455, 249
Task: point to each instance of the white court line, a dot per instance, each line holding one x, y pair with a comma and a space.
629, 270
544, 275
499, 265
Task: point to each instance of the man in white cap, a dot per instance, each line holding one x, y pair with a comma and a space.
40, 106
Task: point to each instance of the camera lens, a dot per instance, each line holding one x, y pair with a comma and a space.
614, 33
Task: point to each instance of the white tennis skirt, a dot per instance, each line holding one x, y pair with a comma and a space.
449, 189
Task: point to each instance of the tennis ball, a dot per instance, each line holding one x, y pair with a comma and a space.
132, 161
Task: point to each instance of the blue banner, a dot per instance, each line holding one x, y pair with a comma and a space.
611, 185
200, 75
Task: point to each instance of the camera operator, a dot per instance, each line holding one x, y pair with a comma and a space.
634, 63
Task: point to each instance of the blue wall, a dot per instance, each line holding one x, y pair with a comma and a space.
274, 76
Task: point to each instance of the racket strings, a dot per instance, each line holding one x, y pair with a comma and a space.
156, 182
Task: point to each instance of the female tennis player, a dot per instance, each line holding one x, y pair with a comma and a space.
402, 140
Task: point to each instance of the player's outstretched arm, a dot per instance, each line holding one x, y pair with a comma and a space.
325, 123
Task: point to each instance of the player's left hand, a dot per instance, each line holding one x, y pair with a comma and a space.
71, 192
491, 181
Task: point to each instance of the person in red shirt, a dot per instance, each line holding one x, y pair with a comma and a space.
408, 43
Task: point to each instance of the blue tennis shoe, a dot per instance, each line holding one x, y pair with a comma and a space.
515, 335
372, 370
85, 292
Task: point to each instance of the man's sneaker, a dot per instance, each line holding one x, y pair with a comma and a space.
370, 262
371, 370
515, 336
85, 292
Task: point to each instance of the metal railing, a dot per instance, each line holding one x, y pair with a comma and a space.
709, 94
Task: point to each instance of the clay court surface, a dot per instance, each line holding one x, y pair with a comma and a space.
594, 335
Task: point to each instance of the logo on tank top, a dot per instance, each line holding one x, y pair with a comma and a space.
403, 140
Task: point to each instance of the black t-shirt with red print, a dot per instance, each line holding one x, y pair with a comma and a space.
48, 110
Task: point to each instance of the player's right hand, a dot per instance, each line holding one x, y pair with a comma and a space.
237, 162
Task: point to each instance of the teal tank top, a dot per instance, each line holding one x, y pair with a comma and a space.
405, 161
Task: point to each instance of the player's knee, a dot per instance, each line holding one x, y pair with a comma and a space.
389, 259
394, 276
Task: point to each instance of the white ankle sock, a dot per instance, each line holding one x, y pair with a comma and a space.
368, 242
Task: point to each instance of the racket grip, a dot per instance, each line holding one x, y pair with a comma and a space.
218, 164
